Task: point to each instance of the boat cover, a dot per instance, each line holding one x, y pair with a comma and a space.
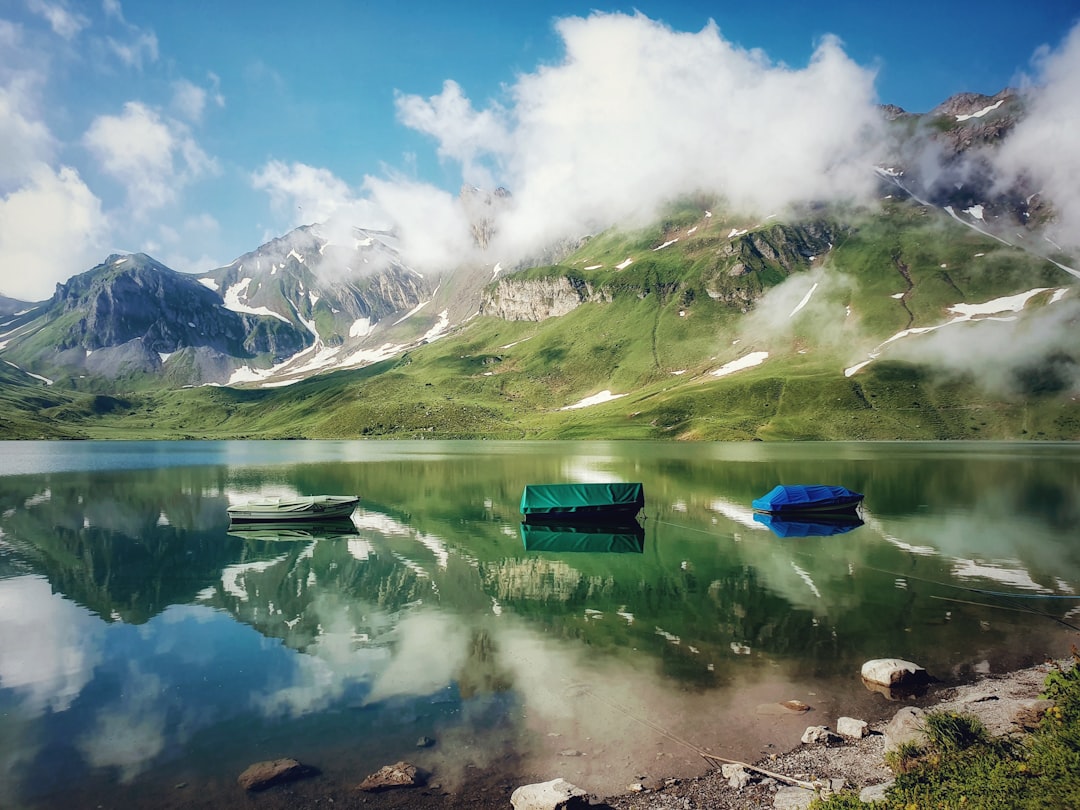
592, 499
793, 497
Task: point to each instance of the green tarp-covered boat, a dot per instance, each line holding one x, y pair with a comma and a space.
574, 503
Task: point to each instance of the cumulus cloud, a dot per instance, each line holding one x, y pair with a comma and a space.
64, 22
153, 158
27, 141
633, 116
637, 114
49, 226
463, 133
303, 194
1044, 146
431, 224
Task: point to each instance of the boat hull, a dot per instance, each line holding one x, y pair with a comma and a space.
815, 499
277, 510
615, 503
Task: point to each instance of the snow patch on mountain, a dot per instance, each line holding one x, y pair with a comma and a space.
744, 362
595, 399
45, 380
439, 329
232, 301
360, 328
805, 300
982, 112
995, 309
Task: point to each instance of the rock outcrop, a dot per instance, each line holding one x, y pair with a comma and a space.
537, 299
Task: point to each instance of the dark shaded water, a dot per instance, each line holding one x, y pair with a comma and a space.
144, 644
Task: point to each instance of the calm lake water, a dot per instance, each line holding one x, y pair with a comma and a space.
149, 652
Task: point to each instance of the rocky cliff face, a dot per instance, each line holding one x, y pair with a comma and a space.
945, 156
136, 298
540, 298
132, 315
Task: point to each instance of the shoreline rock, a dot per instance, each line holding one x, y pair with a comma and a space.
1005, 704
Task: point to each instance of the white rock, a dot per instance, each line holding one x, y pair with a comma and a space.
819, 734
736, 775
850, 727
558, 794
892, 671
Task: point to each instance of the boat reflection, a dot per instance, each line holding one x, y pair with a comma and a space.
294, 530
562, 537
808, 525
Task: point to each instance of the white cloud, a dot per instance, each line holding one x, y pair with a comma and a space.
1044, 146
637, 114
50, 228
189, 100
48, 646
27, 141
463, 133
136, 45
430, 223
129, 731
65, 22
151, 157
303, 194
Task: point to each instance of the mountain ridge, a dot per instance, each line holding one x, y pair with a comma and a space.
818, 293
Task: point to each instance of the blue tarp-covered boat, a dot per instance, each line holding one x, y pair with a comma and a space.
803, 498
574, 503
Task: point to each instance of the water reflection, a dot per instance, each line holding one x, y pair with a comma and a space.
595, 538
809, 526
141, 635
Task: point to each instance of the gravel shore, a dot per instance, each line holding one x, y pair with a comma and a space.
858, 763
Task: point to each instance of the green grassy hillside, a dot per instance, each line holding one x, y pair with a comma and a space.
701, 290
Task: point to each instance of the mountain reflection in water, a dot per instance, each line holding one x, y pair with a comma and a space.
145, 642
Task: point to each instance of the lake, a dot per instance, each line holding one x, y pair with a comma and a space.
149, 652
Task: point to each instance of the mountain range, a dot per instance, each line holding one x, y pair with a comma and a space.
941, 311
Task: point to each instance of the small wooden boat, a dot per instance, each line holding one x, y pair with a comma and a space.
312, 507
578, 503
801, 499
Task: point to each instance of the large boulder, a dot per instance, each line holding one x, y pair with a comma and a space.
893, 672
906, 726
558, 794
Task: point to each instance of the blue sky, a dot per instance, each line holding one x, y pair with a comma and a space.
195, 131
